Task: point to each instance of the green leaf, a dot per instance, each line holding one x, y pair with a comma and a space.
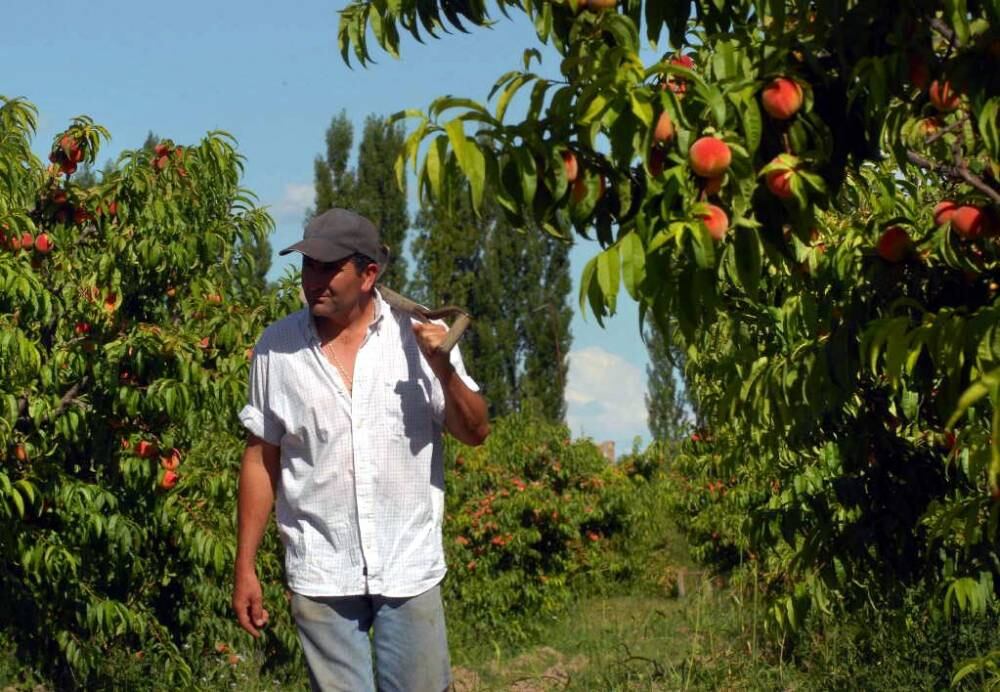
633, 263
608, 276
748, 259
470, 160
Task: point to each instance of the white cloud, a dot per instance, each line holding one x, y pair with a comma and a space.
293, 203
605, 397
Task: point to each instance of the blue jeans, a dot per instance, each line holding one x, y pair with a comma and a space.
411, 646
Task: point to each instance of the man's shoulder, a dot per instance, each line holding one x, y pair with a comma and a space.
287, 334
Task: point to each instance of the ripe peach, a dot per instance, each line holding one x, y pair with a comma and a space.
713, 185
943, 211
780, 183
169, 480
161, 149
27, 240
782, 98
598, 5
710, 157
894, 244
571, 166
943, 96
21, 453
43, 244
968, 222
918, 71
145, 448
664, 130
683, 60
657, 161
929, 126
172, 461
716, 222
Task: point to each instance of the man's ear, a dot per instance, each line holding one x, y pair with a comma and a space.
370, 276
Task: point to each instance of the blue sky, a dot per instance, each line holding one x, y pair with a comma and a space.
270, 74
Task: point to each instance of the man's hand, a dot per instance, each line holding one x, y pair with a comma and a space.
248, 602
465, 413
430, 336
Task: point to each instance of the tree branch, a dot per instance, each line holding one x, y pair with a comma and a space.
959, 172
68, 398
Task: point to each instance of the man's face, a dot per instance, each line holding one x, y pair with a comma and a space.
333, 289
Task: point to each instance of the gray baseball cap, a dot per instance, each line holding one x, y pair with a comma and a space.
339, 233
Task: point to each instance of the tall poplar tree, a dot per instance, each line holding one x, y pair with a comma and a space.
516, 285
370, 188
666, 409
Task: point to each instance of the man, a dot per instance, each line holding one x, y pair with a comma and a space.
346, 406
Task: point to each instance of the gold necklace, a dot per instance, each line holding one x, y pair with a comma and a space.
349, 381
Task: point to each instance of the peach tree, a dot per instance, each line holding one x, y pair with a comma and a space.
128, 313
804, 193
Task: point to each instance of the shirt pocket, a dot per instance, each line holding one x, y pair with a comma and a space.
409, 412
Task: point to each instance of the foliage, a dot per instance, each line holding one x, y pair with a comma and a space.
774, 191
128, 315
531, 516
517, 293
367, 189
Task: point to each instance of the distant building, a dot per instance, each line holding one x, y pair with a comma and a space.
608, 450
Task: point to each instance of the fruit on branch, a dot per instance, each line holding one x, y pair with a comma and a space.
894, 244
169, 480
570, 165
664, 130
597, 5
716, 222
943, 96
782, 98
780, 183
943, 211
918, 71
171, 461
146, 449
713, 185
657, 161
43, 244
710, 157
968, 221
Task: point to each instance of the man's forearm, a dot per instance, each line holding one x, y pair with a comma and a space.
466, 415
258, 484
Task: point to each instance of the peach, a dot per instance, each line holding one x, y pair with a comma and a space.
782, 98
43, 244
918, 71
169, 480
571, 166
969, 222
780, 183
664, 130
943, 211
715, 221
710, 157
894, 244
943, 96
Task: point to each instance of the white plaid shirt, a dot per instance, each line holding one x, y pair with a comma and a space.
361, 495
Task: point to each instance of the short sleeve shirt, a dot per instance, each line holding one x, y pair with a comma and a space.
361, 493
